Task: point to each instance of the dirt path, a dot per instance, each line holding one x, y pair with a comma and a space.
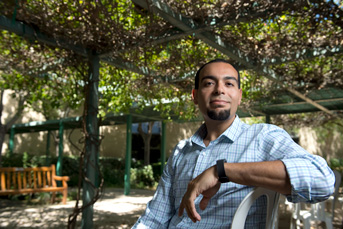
113, 210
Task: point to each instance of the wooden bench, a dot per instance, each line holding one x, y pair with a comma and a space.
31, 180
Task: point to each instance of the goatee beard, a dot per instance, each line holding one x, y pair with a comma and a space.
219, 116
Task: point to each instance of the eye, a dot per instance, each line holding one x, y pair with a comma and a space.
230, 84
208, 83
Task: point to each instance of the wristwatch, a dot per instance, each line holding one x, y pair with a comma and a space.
221, 171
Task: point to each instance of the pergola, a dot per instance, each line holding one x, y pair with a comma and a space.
295, 46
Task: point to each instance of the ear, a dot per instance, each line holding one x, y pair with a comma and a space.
240, 96
195, 96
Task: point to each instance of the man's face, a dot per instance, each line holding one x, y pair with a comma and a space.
218, 95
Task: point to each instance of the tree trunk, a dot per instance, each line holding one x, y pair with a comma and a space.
147, 149
2, 127
146, 138
2, 139
56, 142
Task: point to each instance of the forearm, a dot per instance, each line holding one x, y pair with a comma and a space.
267, 174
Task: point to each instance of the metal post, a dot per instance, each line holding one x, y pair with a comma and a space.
163, 146
97, 175
268, 119
91, 153
60, 150
11, 143
47, 153
128, 155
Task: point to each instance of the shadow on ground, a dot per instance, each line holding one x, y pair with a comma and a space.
113, 210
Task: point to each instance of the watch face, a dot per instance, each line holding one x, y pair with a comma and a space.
223, 179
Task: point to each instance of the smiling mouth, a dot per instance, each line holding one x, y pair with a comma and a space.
219, 102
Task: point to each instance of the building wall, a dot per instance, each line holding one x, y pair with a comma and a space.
177, 132
113, 143
9, 110
329, 147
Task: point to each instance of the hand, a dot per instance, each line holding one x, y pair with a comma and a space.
206, 184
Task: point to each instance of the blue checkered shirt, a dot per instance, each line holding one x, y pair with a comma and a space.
311, 178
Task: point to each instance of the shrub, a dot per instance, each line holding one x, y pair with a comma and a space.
112, 169
336, 164
142, 177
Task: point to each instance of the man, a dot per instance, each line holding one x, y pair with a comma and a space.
208, 175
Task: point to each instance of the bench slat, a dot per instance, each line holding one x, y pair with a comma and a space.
49, 178
24, 179
19, 180
32, 180
8, 181
39, 174
14, 183
29, 173
3, 181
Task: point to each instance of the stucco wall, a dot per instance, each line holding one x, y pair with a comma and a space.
177, 132
113, 142
329, 147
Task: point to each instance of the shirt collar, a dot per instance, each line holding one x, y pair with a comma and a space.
230, 133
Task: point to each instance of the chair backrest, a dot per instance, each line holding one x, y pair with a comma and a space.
318, 210
338, 178
241, 213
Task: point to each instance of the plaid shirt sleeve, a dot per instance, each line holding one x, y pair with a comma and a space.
161, 208
311, 178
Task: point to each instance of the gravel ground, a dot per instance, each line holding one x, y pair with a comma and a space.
113, 210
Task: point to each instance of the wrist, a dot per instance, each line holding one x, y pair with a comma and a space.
222, 177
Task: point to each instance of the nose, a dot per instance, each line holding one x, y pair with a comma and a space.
219, 89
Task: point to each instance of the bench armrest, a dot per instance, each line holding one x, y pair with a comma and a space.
59, 178
64, 180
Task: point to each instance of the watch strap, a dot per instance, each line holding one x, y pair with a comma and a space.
221, 171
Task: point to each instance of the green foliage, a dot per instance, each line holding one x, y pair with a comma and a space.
35, 74
254, 120
15, 160
142, 177
72, 195
156, 167
32, 161
24, 160
336, 164
70, 167
112, 169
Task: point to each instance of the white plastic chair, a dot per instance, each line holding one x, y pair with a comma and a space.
299, 216
338, 178
318, 210
241, 213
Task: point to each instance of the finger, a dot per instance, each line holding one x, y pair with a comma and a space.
192, 212
204, 202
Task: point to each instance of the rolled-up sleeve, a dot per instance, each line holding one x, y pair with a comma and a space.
311, 178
